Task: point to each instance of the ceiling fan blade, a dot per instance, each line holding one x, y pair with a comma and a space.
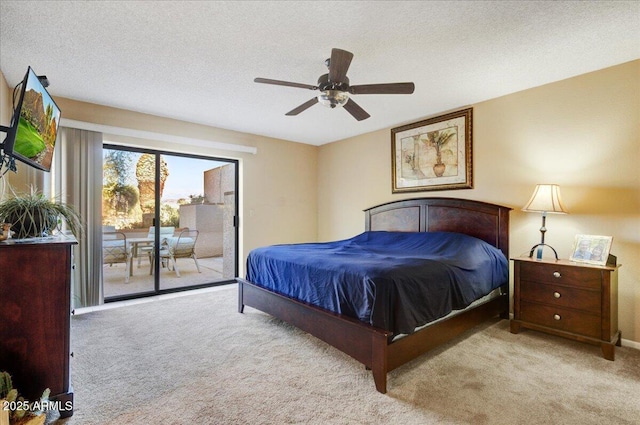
390, 88
339, 65
284, 83
354, 109
306, 105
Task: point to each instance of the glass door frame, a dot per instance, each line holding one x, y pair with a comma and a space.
156, 275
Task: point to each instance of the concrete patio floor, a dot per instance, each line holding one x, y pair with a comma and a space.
142, 281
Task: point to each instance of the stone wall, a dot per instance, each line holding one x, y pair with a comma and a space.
207, 220
214, 218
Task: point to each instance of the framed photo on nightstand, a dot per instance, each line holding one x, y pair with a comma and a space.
591, 249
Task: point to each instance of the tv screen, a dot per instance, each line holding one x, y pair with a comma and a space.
35, 125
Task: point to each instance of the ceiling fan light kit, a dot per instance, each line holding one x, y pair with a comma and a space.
333, 98
335, 90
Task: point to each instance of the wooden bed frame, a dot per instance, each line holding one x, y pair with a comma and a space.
373, 346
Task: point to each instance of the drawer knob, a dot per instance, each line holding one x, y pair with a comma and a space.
556, 294
556, 274
556, 317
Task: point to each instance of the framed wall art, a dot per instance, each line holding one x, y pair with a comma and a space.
592, 249
433, 154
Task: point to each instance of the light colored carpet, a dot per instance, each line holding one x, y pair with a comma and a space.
195, 360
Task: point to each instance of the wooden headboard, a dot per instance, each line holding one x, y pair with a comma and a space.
482, 220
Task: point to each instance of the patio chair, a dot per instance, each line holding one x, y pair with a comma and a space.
116, 250
165, 232
182, 246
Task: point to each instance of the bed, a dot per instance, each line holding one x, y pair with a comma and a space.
383, 345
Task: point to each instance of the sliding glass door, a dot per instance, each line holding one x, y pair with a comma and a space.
128, 209
171, 217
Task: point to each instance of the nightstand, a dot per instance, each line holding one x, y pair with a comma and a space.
578, 301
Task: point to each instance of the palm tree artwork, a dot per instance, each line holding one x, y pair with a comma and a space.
412, 157
437, 140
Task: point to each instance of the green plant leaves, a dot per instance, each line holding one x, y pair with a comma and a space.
34, 215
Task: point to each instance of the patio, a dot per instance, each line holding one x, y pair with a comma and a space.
142, 281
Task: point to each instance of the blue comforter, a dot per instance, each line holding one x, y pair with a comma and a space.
393, 280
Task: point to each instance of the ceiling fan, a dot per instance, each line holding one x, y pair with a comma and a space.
335, 89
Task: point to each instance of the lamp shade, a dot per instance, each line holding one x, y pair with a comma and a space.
546, 198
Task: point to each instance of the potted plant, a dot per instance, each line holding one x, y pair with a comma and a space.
15, 410
32, 215
7, 395
438, 139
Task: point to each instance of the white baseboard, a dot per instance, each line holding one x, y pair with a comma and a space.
630, 344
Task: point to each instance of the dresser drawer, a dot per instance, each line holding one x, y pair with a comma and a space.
561, 296
561, 318
560, 274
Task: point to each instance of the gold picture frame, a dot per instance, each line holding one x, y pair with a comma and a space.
592, 249
433, 154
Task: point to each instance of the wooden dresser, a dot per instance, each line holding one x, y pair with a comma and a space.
35, 309
573, 300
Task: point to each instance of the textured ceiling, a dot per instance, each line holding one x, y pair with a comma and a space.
196, 60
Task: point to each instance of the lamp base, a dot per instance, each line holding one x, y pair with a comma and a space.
539, 253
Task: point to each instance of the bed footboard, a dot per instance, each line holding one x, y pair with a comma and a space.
369, 345
365, 343
408, 348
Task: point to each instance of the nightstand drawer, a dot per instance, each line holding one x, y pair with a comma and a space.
569, 299
561, 318
559, 274
561, 296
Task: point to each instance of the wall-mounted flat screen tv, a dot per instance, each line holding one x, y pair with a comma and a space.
34, 127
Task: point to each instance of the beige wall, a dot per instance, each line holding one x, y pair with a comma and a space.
582, 133
277, 184
5, 103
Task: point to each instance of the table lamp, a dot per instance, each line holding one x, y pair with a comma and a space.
545, 199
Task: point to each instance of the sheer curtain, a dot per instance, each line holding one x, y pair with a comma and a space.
78, 182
